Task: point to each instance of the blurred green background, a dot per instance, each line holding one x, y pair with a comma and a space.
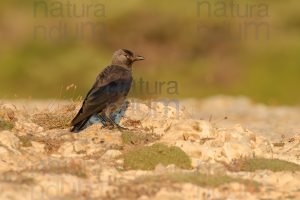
205, 48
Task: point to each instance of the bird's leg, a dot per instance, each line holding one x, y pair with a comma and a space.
106, 121
121, 128
116, 125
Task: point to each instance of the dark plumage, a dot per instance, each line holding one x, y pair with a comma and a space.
109, 91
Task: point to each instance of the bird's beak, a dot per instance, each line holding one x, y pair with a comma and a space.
138, 57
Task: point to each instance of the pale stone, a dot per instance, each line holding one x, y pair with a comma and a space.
28, 127
235, 150
67, 149
111, 154
38, 147
80, 146
190, 130
3, 151
8, 139
200, 140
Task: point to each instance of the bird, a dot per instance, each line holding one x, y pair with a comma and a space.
109, 91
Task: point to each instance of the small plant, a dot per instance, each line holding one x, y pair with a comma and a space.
25, 141
5, 125
205, 180
199, 179
263, 164
147, 157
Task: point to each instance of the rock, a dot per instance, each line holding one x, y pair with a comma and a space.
91, 140
111, 154
143, 197
80, 146
190, 130
3, 151
95, 134
160, 168
9, 140
28, 127
67, 150
211, 168
200, 140
240, 142
282, 180
164, 194
156, 116
237, 149
38, 147
57, 186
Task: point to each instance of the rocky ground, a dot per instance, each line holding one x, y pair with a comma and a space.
216, 148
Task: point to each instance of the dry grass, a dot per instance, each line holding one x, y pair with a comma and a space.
58, 119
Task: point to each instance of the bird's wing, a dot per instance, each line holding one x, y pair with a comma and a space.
106, 90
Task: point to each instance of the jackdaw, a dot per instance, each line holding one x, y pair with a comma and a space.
109, 91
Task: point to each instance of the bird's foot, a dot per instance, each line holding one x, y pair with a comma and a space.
108, 126
114, 126
121, 128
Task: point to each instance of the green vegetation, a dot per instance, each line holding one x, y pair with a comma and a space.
214, 61
5, 125
132, 138
25, 141
263, 164
205, 180
199, 179
147, 157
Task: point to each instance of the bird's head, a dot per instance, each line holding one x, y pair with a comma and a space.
125, 58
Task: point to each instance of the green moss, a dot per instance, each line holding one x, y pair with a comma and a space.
129, 138
205, 180
25, 141
199, 179
264, 164
147, 157
4, 125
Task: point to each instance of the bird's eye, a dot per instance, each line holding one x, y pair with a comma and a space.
127, 56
